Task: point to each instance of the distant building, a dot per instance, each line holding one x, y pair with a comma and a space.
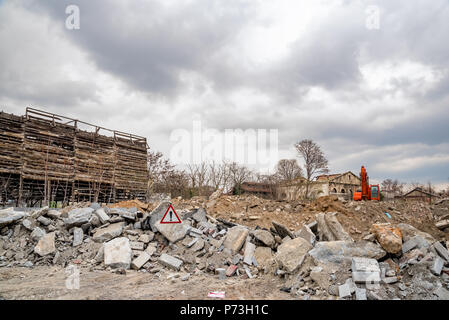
418, 194
341, 184
264, 189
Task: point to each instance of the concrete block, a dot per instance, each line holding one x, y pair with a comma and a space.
249, 253
360, 294
442, 251
44, 221
102, 215
351, 285
117, 253
78, 236
365, 265
414, 242
366, 277
344, 291
192, 242
390, 280
437, 266
140, 260
108, 233
169, 261
150, 250
136, 245
27, 224
235, 238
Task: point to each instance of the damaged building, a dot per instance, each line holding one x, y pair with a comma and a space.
48, 157
342, 184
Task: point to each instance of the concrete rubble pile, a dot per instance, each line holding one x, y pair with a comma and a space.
319, 260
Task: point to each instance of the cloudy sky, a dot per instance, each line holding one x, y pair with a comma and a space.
368, 94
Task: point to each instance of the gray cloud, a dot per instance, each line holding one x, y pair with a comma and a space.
151, 67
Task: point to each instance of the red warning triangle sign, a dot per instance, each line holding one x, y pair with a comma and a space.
170, 216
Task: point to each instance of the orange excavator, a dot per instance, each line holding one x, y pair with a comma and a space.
368, 192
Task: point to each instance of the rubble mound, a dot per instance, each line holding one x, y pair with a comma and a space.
322, 249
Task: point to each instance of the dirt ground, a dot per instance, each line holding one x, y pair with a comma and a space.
43, 283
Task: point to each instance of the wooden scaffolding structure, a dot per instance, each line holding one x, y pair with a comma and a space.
47, 157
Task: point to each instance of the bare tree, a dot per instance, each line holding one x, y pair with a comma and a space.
288, 169
164, 177
314, 160
219, 175
393, 186
239, 174
199, 176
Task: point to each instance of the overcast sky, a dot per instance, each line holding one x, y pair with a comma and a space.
311, 69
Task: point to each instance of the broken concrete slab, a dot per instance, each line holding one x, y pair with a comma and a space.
117, 253
151, 250
343, 251
249, 253
306, 233
415, 242
102, 215
40, 212
409, 232
37, 234
351, 285
44, 221
264, 256
9, 216
109, 232
442, 251
137, 245
336, 228
46, 245
324, 233
437, 266
146, 238
173, 232
390, 280
235, 238
140, 260
27, 224
365, 264
344, 291
365, 270
198, 245
320, 276
291, 254
53, 214
200, 215
78, 236
149, 220
366, 277
264, 237
170, 262
282, 230
78, 217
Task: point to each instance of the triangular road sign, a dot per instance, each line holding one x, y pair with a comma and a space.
170, 216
